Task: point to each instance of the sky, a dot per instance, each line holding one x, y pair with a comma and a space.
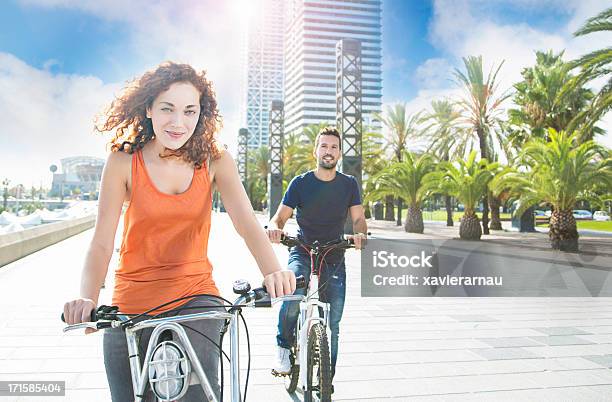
62, 61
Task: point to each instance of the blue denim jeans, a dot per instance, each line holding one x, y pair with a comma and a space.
332, 290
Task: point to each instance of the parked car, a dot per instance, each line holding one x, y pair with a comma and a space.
582, 214
601, 216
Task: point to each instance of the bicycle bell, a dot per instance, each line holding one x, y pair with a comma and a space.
241, 287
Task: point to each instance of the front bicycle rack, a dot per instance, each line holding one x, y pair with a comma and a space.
180, 381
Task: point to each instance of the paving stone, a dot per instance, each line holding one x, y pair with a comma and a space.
582, 394
556, 379
605, 360
505, 353
562, 331
572, 350
556, 340
510, 342
473, 318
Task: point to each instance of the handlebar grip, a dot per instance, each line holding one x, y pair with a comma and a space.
351, 241
262, 298
104, 324
300, 282
93, 316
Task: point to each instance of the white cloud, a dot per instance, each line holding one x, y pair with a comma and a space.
434, 73
46, 117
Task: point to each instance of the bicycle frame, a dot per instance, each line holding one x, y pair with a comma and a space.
310, 310
139, 373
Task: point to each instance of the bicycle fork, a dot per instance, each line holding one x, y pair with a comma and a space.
310, 314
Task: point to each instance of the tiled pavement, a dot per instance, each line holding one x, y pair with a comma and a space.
396, 349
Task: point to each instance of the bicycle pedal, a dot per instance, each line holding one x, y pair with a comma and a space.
277, 374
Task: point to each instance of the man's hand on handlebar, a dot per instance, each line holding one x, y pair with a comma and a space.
274, 234
359, 239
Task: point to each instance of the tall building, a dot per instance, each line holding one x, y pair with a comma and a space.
313, 29
264, 72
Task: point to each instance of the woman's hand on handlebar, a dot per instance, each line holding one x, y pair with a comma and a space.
280, 283
79, 310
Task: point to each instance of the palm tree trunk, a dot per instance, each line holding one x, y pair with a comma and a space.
449, 210
484, 154
367, 212
389, 216
495, 219
469, 228
563, 233
414, 220
485, 214
399, 212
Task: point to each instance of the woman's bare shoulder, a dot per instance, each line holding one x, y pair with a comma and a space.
223, 160
119, 163
119, 157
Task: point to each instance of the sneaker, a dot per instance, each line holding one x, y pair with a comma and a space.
282, 364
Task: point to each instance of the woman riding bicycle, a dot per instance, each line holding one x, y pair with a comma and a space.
165, 162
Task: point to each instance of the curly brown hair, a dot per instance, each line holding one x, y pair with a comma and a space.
127, 114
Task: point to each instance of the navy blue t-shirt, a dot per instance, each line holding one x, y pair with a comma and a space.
322, 207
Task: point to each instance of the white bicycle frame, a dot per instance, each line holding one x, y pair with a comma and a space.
310, 309
140, 374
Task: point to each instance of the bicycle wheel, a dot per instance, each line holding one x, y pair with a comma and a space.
318, 365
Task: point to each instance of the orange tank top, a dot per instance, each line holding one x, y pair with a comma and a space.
165, 240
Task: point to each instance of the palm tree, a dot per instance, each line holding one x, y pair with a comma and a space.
406, 180
401, 127
481, 109
373, 162
560, 172
257, 176
596, 65
549, 97
445, 137
466, 180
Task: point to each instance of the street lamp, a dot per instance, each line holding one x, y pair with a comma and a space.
5, 183
53, 169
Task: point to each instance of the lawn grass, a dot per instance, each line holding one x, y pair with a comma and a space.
590, 225
441, 215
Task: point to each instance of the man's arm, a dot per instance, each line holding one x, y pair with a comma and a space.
360, 227
277, 223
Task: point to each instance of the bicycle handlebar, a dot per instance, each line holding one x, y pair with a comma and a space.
292, 241
259, 296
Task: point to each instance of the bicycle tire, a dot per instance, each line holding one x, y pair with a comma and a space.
319, 364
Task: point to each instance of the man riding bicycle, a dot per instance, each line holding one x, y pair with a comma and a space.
323, 197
